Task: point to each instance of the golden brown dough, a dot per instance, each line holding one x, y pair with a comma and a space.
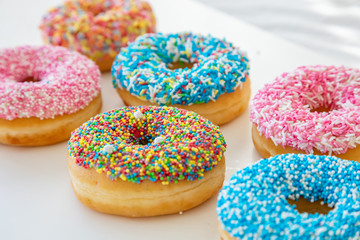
141, 200
267, 148
227, 107
36, 132
224, 235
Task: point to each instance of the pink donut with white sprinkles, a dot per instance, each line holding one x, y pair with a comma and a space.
43, 83
314, 109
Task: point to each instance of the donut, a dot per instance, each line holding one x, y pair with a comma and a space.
202, 74
45, 93
146, 161
97, 28
314, 110
258, 201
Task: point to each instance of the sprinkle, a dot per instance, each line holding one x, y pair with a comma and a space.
138, 114
64, 87
191, 145
282, 110
159, 140
108, 148
97, 29
253, 203
142, 68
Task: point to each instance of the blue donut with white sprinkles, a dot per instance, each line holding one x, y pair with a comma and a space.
199, 73
254, 203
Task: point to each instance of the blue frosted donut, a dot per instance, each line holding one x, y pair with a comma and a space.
253, 204
142, 68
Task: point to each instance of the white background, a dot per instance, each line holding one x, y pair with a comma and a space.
329, 27
36, 199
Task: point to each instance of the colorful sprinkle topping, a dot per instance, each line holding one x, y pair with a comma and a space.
97, 28
142, 68
166, 144
253, 204
286, 109
67, 82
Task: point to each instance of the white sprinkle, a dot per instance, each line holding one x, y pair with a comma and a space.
158, 140
138, 114
108, 148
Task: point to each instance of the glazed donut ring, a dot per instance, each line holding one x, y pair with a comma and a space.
146, 161
97, 28
217, 86
314, 109
254, 203
64, 92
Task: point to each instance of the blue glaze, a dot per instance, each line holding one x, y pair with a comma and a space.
142, 70
253, 204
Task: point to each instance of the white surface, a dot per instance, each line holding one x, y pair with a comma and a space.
37, 201
329, 27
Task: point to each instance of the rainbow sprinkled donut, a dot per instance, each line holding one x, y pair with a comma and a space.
314, 109
45, 93
146, 161
97, 28
203, 74
254, 203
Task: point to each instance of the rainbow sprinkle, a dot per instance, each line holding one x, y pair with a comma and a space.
253, 204
142, 69
156, 143
97, 28
282, 110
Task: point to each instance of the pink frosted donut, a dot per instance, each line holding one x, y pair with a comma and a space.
314, 109
45, 93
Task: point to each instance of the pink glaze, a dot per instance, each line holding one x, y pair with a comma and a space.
281, 110
68, 82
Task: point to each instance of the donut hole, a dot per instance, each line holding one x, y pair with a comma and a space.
320, 109
141, 141
29, 79
319, 87
305, 206
140, 137
180, 65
